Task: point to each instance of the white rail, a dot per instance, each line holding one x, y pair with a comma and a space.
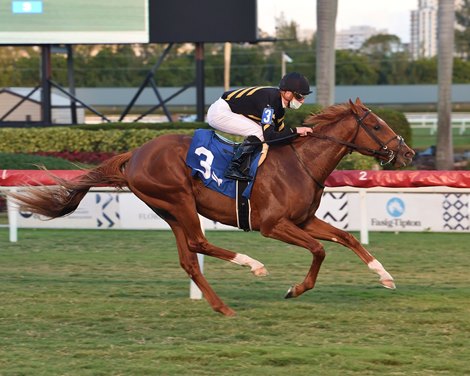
429, 121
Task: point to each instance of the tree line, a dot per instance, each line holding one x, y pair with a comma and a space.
382, 60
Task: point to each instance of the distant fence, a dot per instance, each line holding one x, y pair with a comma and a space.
429, 121
369, 94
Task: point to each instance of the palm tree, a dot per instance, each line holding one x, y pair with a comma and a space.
325, 50
444, 149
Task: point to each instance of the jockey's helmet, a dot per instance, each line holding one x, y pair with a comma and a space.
295, 82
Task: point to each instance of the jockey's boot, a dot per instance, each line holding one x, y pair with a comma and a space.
240, 163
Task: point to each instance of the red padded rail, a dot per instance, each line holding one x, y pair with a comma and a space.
17, 178
352, 178
399, 179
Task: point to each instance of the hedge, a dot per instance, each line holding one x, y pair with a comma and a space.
31, 140
120, 137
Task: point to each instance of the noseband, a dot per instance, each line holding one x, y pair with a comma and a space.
384, 153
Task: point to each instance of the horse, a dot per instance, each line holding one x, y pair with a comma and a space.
285, 196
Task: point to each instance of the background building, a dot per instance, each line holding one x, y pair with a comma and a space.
423, 33
354, 37
424, 28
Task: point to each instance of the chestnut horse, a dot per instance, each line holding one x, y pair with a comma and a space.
285, 195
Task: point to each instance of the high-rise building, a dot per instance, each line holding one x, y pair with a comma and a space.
354, 37
423, 35
424, 28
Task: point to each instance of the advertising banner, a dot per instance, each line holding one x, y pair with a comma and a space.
137, 215
385, 212
397, 211
98, 210
404, 212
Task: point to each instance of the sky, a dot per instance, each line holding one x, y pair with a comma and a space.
391, 15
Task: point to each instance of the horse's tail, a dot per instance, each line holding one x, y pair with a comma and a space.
64, 198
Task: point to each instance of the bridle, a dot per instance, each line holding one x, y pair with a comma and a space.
384, 150
384, 153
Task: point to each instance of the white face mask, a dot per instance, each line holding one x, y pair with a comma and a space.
295, 104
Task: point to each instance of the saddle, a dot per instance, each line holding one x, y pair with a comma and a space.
208, 157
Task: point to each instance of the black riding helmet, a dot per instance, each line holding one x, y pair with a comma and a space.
296, 83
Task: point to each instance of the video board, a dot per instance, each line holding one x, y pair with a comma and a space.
73, 21
203, 21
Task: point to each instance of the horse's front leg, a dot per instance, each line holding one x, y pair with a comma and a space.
286, 231
321, 230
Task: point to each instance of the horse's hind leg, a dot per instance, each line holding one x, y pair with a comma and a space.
321, 230
198, 243
182, 212
190, 264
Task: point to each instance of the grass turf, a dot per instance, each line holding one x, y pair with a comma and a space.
88, 302
422, 139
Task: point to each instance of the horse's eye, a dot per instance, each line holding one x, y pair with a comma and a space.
377, 127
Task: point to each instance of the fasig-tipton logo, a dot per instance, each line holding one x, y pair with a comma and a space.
395, 208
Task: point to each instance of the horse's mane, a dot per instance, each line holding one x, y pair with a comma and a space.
328, 115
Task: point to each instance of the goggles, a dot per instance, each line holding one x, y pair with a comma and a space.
298, 96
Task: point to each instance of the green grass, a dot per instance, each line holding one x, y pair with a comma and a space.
110, 302
422, 139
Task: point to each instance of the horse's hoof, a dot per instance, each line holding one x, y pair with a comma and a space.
290, 293
260, 272
226, 311
388, 284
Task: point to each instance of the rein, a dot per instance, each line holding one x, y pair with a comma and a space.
307, 170
384, 151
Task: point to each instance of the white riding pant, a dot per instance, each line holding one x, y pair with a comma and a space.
221, 117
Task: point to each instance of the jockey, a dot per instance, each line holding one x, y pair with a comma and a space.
258, 113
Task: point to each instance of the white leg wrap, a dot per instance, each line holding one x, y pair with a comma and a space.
377, 267
245, 260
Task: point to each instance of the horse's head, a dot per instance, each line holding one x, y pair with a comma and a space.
375, 137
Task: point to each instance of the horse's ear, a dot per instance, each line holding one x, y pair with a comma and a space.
358, 102
354, 106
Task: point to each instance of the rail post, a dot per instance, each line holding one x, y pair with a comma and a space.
12, 209
364, 227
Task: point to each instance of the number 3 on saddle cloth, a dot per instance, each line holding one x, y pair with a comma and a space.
209, 156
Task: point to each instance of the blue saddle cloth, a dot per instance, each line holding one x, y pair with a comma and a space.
209, 156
